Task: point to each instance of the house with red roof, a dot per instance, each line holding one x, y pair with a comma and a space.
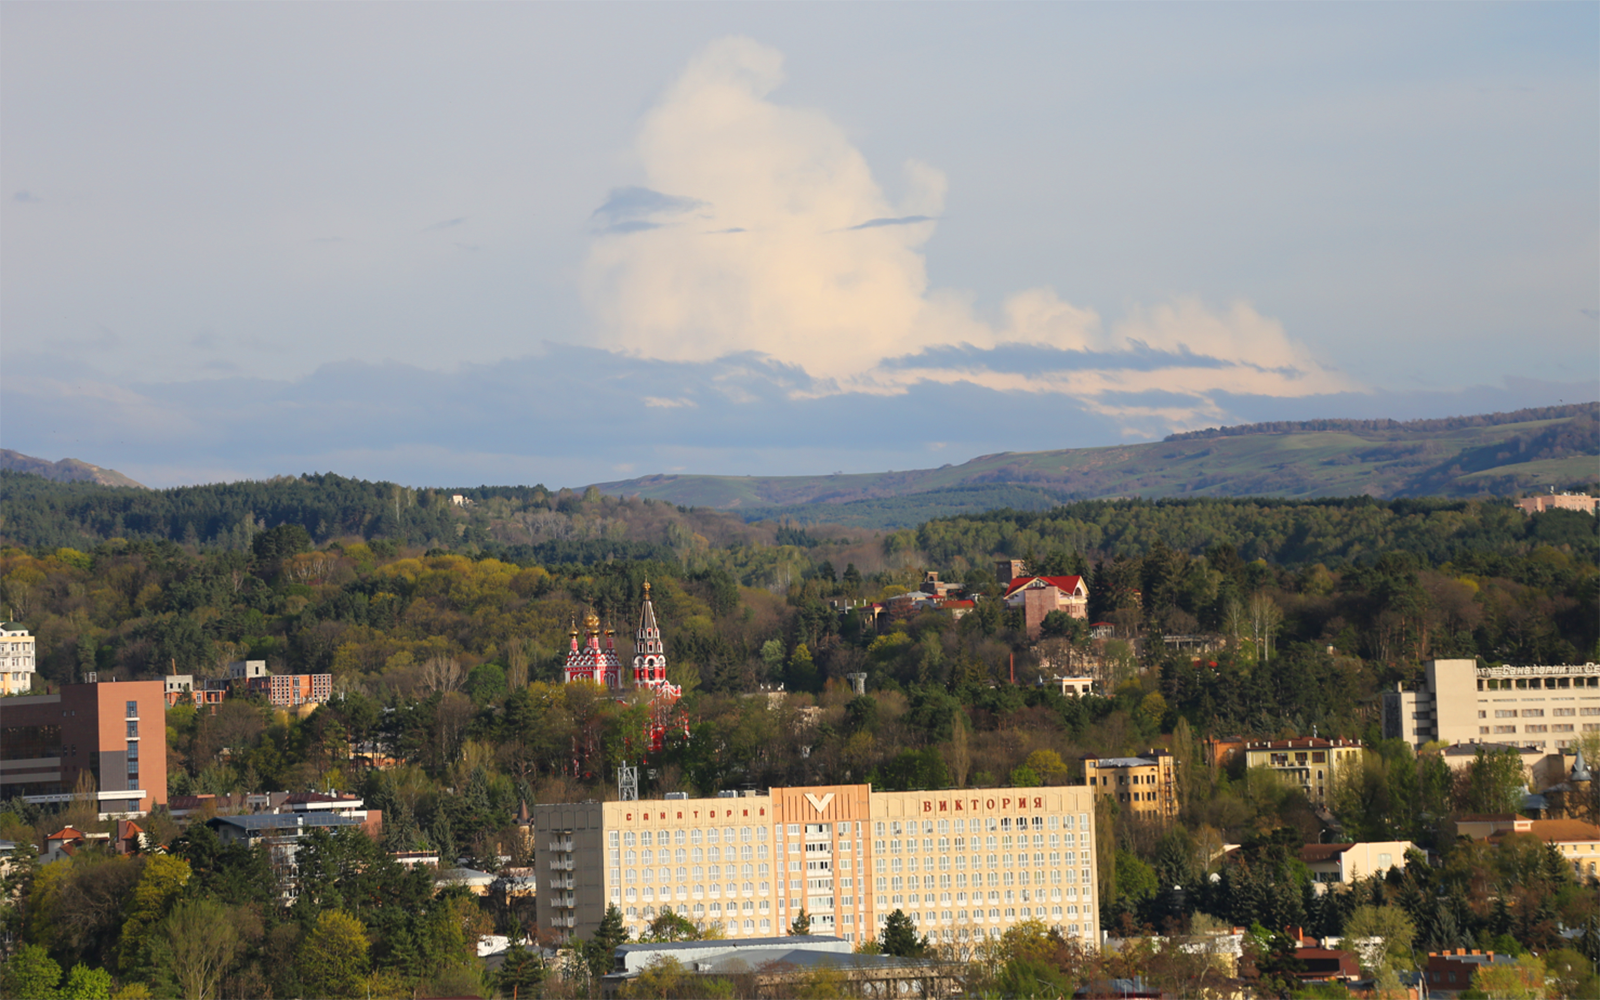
1037, 596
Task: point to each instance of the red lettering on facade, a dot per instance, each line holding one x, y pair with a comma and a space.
1038, 802
927, 806
990, 803
944, 805
958, 806
630, 817
680, 815
1005, 803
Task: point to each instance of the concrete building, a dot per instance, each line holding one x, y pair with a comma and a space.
1449, 973
963, 865
183, 689
115, 733
1343, 864
1532, 706
1539, 503
17, 660
1310, 762
1145, 786
1577, 842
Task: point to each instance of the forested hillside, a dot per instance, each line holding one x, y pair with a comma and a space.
445, 647
1479, 456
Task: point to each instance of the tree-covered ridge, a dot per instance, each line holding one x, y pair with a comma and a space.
1527, 415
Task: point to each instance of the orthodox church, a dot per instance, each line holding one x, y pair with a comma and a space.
595, 660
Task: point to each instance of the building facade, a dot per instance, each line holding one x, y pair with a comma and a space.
1309, 762
17, 658
115, 733
1343, 864
1544, 706
1541, 502
1146, 787
963, 865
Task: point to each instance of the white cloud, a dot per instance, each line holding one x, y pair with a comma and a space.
760, 228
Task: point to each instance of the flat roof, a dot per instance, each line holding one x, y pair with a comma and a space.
284, 821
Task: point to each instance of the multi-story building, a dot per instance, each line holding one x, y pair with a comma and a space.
1146, 787
1541, 502
1038, 596
1532, 706
1309, 762
17, 661
182, 689
963, 864
1343, 864
281, 690
290, 690
115, 733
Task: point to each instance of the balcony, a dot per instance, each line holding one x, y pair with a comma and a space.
563, 883
561, 846
563, 865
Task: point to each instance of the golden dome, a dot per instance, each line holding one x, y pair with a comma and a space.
591, 620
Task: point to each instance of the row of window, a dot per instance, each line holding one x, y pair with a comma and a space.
696, 873
1536, 683
664, 838
681, 855
1019, 860
1002, 824
701, 891
994, 879
944, 844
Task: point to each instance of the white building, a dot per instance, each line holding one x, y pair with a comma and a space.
962, 865
17, 661
1531, 706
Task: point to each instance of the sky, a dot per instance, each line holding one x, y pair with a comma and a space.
461, 244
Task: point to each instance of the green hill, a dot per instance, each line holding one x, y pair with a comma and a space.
1482, 455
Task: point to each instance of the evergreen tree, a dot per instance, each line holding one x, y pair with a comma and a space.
597, 950
900, 937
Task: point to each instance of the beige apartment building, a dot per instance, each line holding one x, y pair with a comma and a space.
963, 865
17, 658
1146, 787
1548, 707
1311, 762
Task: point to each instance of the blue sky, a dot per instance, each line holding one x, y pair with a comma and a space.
456, 244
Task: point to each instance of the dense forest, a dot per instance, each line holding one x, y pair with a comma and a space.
445, 626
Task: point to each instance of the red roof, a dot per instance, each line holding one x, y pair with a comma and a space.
1063, 583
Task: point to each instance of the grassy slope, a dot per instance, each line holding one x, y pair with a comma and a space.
1290, 464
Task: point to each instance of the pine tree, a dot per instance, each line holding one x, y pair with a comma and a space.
900, 937
800, 926
597, 950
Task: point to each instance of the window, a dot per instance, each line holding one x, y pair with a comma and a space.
133, 710
133, 729
1533, 713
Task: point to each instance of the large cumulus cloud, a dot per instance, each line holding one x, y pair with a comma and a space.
760, 227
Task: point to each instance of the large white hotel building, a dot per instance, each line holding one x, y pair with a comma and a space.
962, 864
1550, 707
